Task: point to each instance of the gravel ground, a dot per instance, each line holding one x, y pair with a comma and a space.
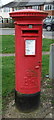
43, 111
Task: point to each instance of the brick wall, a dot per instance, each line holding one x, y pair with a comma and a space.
42, 7
50, 12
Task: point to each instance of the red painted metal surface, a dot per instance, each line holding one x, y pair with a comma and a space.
28, 67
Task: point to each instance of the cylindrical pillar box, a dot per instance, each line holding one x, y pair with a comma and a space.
28, 44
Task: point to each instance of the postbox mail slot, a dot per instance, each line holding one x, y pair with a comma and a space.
29, 32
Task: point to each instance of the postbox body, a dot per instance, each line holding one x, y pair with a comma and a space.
28, 58
28, 46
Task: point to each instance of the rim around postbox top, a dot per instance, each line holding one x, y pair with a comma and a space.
28, 12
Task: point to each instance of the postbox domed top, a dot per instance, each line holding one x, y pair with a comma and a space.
28, 12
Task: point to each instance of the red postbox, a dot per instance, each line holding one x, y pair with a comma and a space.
28, 46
